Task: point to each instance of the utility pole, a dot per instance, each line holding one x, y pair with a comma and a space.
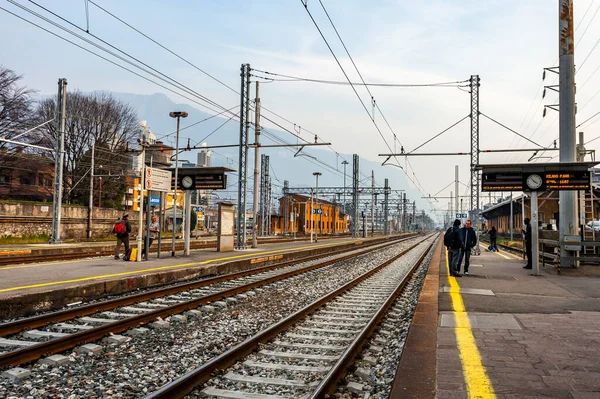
345, 163
263, 206
567, 137
243, 155
60, 159
355, 172
372, 203
91, 199
312, 212
317, 174
256, 165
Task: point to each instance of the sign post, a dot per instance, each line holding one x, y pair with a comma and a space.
535, 262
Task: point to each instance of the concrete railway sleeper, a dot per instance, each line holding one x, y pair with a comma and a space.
305, 354
121, 314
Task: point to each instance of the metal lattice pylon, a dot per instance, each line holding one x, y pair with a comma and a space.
243, 156
474, 85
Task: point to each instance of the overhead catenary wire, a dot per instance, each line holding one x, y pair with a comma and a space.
290, 78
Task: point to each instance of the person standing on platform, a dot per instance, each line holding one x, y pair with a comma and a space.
468, 239
453, 243
527, 233
493, 238
122, 229
152, 231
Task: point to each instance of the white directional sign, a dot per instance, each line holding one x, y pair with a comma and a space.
158, 179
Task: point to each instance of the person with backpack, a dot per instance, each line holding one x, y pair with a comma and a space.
468, 239
493, 237
121, 229
452, 241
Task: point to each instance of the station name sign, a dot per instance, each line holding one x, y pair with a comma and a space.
536, 177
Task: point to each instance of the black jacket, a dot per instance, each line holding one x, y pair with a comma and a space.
527, 232
493, 234
456, 240
468, 238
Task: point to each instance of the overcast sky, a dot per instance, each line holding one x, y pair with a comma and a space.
507, 43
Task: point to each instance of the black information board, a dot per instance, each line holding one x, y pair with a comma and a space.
536, 181
213, 181
502, 181
578, 180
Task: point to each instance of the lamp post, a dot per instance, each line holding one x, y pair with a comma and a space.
316, 175
345, 163
178, 115
140, 234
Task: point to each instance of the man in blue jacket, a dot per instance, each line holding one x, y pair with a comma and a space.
468, 239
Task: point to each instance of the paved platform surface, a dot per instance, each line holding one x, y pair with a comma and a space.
503, 333
37, 277
534, 336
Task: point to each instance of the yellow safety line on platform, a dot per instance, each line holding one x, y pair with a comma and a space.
152, 269
478, 383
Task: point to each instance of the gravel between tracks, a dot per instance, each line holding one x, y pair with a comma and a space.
146, 362
393, 272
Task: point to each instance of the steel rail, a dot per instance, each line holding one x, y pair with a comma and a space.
68, 314
329, 383
182, 386
34, 352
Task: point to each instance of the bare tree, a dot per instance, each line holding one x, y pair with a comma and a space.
93, 118
16, 105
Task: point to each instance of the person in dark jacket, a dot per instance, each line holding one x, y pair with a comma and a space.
454, 249
468, 239
527, 233
123, 238
493, 237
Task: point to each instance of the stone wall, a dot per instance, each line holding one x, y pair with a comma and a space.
18, 220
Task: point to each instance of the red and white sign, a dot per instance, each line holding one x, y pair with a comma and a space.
158, 179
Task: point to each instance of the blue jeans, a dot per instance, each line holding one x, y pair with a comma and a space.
467, 255
453, 255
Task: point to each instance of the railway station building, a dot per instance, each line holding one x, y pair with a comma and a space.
297, 211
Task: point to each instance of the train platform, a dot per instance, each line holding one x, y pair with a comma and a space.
26, 288
501, 332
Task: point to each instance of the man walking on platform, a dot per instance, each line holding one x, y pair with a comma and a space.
468, 240
527, 233
122, 229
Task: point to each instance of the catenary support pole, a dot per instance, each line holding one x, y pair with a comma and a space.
386, 223
91, 198
243, 156
567, 137
456, 187
60, 159
372, 203
141, 180
256, 166
474, 208
355, 210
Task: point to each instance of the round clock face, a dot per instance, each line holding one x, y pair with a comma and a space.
187, 182
534, 181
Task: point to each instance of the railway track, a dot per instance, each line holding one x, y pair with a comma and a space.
24, 342
91, 253
307, 353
